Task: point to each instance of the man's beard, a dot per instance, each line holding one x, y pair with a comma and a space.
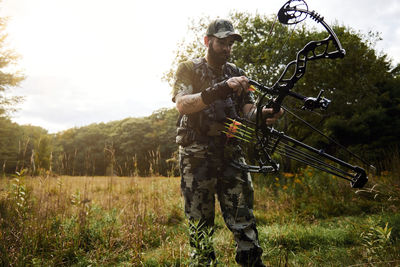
217, 58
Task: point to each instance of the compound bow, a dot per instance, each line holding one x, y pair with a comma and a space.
268, 139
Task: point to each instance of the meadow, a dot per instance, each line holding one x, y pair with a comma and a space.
305, 219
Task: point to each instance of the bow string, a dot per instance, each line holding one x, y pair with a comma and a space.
268, 141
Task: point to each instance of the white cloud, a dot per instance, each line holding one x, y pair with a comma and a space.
100, 60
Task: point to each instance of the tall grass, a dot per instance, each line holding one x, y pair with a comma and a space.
85, 220
308, 219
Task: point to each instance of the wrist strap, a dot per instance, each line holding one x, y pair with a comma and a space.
218, 91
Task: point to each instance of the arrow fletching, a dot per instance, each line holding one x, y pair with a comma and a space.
238, 130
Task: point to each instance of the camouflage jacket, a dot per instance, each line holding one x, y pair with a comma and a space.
204, 128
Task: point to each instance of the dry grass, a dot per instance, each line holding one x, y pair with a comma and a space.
133, 215
121, 221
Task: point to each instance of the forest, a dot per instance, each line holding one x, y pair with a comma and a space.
129, 147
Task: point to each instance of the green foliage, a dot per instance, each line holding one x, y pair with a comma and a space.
24, 147
295, 237
334, 242
376, 241
8, 145
129, 147
318, 219
82, 234
394, 222
363, 115
189, 47
202, 242
363, 86
8, 79
54, 222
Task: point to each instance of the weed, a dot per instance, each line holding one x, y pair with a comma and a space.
201, 241
376, 241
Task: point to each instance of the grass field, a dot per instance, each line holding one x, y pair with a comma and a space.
307, 219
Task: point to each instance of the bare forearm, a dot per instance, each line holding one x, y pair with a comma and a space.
188, 104
250, 112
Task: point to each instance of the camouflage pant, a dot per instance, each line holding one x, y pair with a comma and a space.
203, 178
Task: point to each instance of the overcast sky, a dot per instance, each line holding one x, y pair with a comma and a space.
91, 61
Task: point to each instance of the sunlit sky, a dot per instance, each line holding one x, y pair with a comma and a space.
92, 61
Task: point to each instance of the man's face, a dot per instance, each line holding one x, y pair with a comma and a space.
220, 49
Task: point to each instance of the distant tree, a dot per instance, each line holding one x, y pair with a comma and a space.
35, 146
9, 146
128, 147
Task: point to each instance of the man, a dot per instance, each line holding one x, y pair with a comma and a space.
207, 91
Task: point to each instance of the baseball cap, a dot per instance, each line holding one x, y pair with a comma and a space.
222, 28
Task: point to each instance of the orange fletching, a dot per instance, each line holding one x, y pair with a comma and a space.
233, 127
252, 88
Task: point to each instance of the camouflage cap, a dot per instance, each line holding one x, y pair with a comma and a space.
222, 28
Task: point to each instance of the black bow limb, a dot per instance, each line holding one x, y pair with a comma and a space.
267, 140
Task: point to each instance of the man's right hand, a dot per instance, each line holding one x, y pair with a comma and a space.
187, 104
223, 89
238, 84
219, 91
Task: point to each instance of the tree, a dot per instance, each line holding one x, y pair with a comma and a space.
361, 86
128, 147
8, 78
35, 146
9, 146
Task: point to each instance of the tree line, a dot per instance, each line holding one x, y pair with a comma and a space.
129, 147
364, 114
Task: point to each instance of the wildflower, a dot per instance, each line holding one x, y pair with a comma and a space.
288, 174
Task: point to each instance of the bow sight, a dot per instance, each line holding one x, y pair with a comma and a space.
268, 140
311, 103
